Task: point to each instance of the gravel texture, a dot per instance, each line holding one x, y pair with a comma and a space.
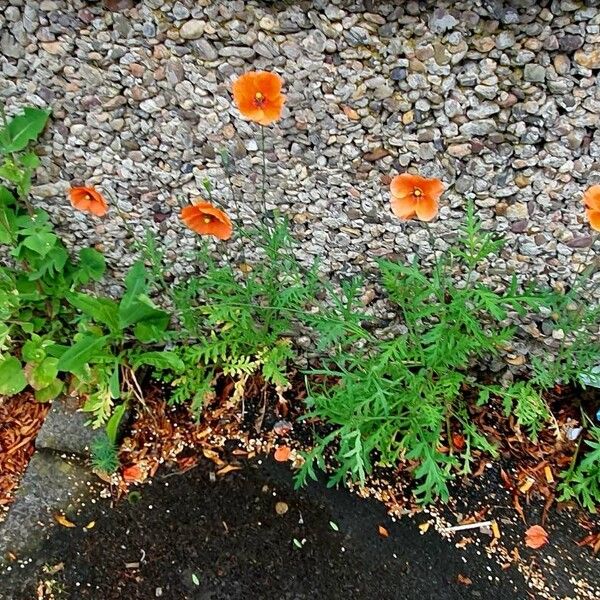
499, 99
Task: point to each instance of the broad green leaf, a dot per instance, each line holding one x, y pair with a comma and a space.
6, 197
33, 350
50, 392
112, 427
30, 160
142, 310
7, 225
10, 172
4, 329
24, 128
114, 383
135, 283
42, 375
160, 360
52, 263
78, 355
152, 329
135, 306
41, 242
12, 378
101, 310
91, 265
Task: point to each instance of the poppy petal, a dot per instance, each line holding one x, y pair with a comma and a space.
594, 219
272, 110
432, 188
269, 83
591, 198
403, 208
404, 184
222, 230
426, 208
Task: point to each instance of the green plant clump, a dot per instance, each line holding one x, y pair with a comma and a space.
382, 398
397, 399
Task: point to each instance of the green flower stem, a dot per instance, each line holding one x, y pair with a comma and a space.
265, 218
436, 263
264, 168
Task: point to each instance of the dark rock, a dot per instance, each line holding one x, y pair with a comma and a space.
519, 226
570, 43
398, 74
580, 242
376, 154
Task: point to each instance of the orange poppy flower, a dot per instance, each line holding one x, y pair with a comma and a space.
413, 195
258, 96
591, 199
206, 219
88, 200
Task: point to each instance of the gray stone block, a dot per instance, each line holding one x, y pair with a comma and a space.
50, 485
65, 429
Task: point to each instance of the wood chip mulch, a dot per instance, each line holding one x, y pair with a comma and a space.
20, 420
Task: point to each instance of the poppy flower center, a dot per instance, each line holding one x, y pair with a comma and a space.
87, 197
207, 219
417, 193
259, 99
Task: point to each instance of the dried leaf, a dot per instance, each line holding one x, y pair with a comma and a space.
282, 454
106, 477
518, 507
383, 532
495, 530
90, 525
62, 520
464, 580
548, 474
508, 483
186, 463
228, 469
423, 527
214, 456
536, 537
527, 485
592, 540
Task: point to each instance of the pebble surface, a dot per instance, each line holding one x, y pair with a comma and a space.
500, 100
